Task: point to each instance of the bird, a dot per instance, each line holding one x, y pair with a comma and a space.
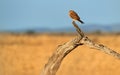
75, 16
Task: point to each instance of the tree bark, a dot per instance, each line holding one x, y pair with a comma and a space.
55, 60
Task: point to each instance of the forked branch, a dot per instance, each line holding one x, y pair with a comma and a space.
55, 60
86, 41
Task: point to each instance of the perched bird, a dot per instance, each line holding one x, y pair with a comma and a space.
75, 16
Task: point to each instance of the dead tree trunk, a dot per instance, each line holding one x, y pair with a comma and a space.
55, 60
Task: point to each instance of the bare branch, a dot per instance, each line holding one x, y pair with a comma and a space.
101, 47
55, 60
85, 40
80, 33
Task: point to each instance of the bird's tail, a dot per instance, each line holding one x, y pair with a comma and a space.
81, 21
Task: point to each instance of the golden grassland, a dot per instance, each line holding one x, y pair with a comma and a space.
27, 55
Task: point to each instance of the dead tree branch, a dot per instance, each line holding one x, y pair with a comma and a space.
86, 41
55, 60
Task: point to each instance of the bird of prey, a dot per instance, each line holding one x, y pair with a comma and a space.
75, 16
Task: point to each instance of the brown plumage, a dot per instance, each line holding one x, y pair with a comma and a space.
75, 16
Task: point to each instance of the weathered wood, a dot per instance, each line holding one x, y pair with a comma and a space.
55, 60
86, 41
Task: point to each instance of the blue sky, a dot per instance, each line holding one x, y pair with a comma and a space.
22, 14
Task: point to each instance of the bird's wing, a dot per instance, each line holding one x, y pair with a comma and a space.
74, 15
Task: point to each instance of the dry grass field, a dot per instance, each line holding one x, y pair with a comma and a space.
27, 55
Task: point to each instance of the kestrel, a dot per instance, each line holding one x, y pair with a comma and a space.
75, 16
